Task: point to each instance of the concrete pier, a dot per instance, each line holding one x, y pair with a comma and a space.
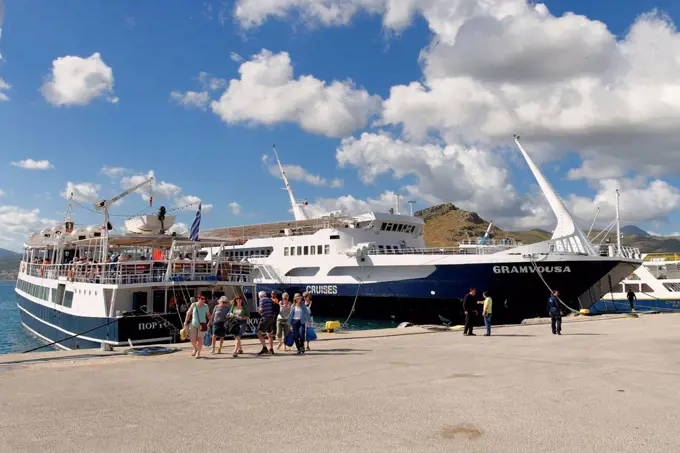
606, 385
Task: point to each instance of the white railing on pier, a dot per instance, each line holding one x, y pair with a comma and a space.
139, 272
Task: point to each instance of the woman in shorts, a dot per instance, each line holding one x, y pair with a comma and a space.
197, 320
219, 315
239, 311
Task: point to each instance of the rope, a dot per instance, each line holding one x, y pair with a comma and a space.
356, 297
548, 286
130, 216
72, 336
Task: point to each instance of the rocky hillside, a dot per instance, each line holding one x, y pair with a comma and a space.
447, 225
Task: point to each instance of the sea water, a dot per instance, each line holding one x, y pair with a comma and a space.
15, 338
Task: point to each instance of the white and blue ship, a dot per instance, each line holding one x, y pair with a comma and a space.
377, 266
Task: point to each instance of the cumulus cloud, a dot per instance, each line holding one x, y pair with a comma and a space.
350, 205
298, 173
210, 83
84, 192
235, 208
77, 81
30, 164
191, 99
17, 222
190, 203
113, 172
267, 93
4, 87
156, 189
179, 228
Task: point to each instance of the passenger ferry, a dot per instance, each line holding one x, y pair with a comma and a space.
377, 266
656, 285
80, 288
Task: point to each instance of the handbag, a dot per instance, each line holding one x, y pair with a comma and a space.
231, 326
311, 335
290, 339
207, 339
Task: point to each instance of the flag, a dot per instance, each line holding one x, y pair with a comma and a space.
193, 233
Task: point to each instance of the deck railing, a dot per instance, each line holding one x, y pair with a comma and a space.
139, 272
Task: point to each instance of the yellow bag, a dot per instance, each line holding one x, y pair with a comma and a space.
184, 334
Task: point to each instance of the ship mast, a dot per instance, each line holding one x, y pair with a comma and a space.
566, 227
618, 224
298, 209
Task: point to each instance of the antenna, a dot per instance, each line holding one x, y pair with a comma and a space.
68, 223
410, 206
618, 223
298, 210
566, 226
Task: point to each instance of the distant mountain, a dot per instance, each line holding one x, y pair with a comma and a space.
8, 254
447, 225
632, 230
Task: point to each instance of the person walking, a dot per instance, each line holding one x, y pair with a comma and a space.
486, 312
282, 326
308, 302
555, 314
631, 300
298, 317
219, 316
197, 320
266, 309
239, 311
470, 308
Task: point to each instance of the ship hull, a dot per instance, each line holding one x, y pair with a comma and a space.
518, 291
617, 305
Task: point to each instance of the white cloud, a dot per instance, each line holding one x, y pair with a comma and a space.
350, 205
84, 192
210, 83
474, 178
4, 86
235, 208
161, 189
190, 203
641, 200
337, 183
17, 222
30, 164
267, 93
179, 228
113, 172
77, 81
191, 99
297, 173
2, 192
236, 57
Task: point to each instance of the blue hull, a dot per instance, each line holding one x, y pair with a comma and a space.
52, 325
623, 306
517, 291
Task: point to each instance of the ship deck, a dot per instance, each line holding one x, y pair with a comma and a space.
605, 385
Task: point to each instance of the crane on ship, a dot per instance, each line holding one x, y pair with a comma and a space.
298, 209
105, 204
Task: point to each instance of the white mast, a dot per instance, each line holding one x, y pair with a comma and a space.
593, 224
396, 210
298, 210
486, 234
618, 224
566, 226
410, 207
105, 205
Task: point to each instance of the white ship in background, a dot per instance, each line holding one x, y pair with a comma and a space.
656, 285
378, 265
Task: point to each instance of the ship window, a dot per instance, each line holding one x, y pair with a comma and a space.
306, 250
68, 299
672, 286
389, 227
319, 250
646, 288
286, 251
292, 251
383, 226
312, 250
299, 250
401, 227
381, 248
327, 249
335, 236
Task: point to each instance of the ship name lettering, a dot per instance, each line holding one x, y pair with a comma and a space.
322, 289
530, 269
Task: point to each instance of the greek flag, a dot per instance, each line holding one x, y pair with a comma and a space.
193, 233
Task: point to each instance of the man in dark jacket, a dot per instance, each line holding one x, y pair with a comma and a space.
470, 307
631, 299
555, 314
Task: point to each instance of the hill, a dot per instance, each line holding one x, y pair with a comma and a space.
8, 254
447, 225
632, 230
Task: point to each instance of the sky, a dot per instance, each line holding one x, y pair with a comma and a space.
364, 99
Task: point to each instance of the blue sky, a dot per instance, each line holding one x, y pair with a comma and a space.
140, 118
